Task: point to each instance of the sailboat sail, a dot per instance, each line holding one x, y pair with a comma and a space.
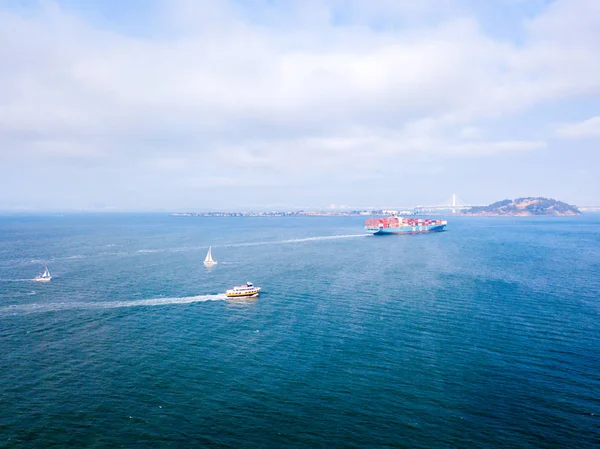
209, 260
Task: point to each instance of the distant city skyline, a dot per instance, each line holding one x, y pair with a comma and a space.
233, 105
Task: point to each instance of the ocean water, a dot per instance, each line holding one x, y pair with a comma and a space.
487, 335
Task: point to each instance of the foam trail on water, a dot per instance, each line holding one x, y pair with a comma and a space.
327, 237
57, 306
299, 240
140, 252
17, 280
233, 245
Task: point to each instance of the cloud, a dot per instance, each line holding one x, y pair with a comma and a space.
284, 88
588, 129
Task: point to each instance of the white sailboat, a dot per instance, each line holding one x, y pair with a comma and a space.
208, 261
44, 277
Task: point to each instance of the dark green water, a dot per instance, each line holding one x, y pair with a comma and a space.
487, 335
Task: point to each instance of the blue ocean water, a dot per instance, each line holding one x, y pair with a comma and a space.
487, 335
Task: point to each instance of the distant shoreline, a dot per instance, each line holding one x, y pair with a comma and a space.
344, 214
277, 214
519, 207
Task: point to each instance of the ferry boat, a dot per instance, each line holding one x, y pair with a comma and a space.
44, 277
397, 225
243, 291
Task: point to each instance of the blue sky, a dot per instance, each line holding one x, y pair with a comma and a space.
231, 104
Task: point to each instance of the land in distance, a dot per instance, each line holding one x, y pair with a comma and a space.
524, 207
349, 213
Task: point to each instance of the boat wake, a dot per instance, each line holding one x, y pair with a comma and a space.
59, 306
237, 245
327, 237
142, 252
299, 240
17, 280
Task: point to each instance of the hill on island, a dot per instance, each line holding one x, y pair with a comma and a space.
523, 207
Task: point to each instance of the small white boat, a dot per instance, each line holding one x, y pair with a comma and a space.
243, 291
44, 277
208, 261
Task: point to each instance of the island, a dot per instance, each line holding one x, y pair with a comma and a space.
525, 207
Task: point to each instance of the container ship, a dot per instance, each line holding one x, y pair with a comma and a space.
397, 225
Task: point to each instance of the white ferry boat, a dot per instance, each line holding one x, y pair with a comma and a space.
243, 291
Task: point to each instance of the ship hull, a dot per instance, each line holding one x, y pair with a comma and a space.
242, 295
404, 230
245, 293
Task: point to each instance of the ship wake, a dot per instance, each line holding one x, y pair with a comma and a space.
100, 305
17, 280
298, 240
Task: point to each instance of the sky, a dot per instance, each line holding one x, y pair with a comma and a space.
192, 105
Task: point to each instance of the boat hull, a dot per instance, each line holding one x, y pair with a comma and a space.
252, 294
404, 229
42, 279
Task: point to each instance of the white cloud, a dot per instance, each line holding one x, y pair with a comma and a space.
285, 89
588, 129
